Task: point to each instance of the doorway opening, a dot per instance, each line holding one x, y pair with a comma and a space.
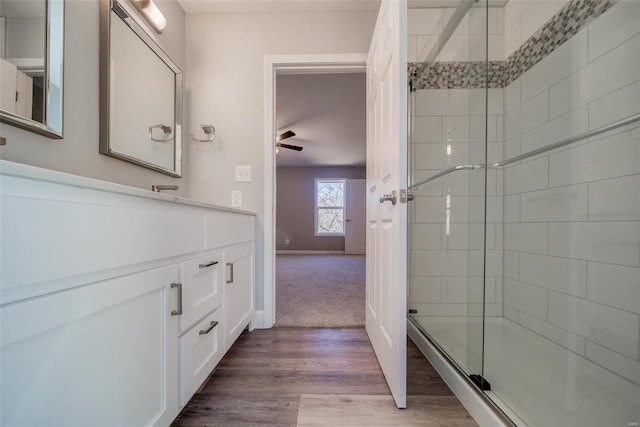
320, 199
277, 66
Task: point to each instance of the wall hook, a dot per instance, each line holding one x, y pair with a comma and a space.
209, 132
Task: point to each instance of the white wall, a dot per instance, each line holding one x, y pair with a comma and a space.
225, 87
78, 153
572, 217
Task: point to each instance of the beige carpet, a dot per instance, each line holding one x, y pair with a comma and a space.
320, 291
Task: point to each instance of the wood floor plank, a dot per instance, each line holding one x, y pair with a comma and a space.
352, 410
261, 379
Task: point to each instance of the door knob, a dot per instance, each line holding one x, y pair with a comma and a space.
389, 198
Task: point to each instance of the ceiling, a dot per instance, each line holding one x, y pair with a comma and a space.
226, 6
217, 6
328, 114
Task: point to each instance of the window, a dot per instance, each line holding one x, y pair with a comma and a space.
330, 207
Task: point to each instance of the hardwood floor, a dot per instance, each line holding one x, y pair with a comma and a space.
309, 377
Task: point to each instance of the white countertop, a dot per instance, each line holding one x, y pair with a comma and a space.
31, 172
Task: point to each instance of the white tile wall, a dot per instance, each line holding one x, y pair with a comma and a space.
557, 335
614, 27
607, 326
427, 129
609, 242
559, 284
615, 106
512, 208
442, 102
564, 275
440, 156
562, 62
615, 199
454, 290
522, 18
426, 289
586, 194
493, 263
555, 204
512, 95
440, 263
424, 21
538, 14
526, 298
457, 238
609, 72
527, 116
573, 123
455, 129
489, 101
614, 285
511, 313
610, 157
526, 237
425, 236
622, 365
512, 265
441, 310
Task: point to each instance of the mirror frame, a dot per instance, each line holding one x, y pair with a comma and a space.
32, 125
106, 6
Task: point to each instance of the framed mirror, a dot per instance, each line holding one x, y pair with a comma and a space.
31, 65
140, 94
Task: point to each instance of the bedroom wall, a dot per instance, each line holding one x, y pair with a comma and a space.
295, 207
78, 152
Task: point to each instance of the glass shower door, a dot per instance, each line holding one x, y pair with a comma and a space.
448, 150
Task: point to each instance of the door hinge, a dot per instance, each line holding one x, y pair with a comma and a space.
405, 196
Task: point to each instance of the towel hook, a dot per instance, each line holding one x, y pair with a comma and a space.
209, 131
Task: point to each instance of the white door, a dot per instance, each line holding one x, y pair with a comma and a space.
386, 175
355, 239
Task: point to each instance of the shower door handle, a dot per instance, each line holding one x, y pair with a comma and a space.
393, 198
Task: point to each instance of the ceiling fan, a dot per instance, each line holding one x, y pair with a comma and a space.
285, 135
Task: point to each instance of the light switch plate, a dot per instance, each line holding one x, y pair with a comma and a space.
236, 199
243, 173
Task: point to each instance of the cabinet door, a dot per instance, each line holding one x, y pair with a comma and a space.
239, 293
101, 354
201, 288
200, 351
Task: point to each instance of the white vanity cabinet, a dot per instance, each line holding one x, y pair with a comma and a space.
93, 355
114, 306
202, 287
201, 340
239, 291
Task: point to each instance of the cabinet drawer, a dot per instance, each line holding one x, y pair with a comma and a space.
201, 288
201, 348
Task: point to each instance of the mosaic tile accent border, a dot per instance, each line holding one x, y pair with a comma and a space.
573, 17
576, 15
460, 75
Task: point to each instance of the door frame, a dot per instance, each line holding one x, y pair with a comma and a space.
276, 65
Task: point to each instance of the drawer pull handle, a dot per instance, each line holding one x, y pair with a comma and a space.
231, 274
178, 312
208, 265
209, 329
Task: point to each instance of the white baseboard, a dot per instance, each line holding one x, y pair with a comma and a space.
283, 252
259, 321
480, 410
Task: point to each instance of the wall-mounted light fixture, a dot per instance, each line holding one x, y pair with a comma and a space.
152, 14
